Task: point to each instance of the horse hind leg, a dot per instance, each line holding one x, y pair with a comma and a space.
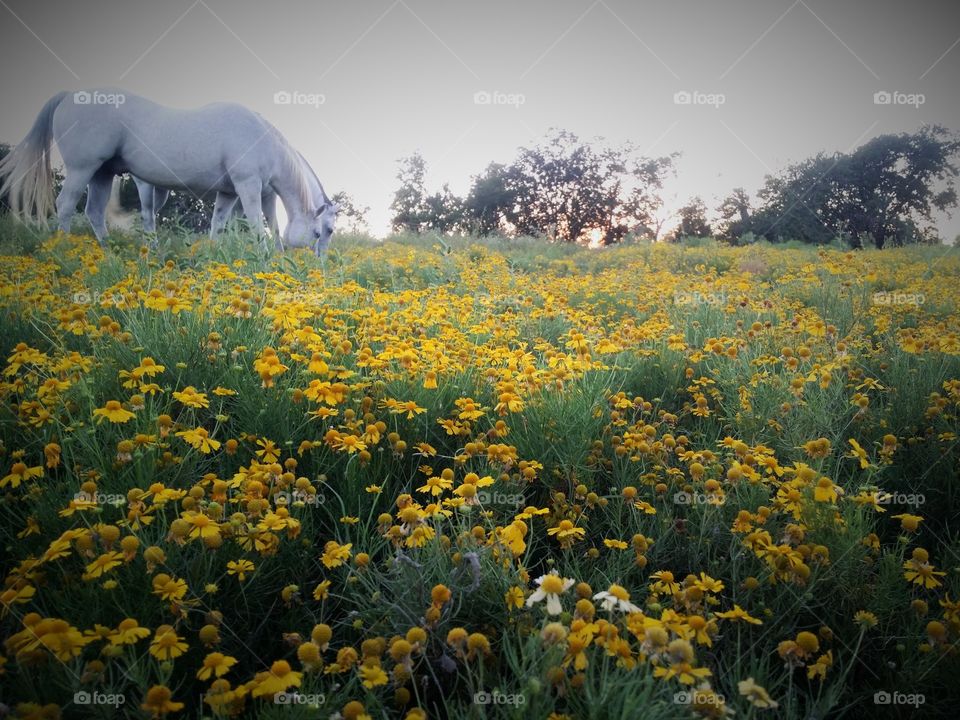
98, 195
73, 186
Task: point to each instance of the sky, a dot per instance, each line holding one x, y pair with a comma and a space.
740, 88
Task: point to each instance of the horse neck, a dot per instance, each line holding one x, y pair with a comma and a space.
294, 190
319, 195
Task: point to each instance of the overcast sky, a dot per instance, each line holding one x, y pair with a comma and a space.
770, 81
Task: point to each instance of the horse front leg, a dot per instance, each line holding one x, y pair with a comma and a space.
269, 202
148, 210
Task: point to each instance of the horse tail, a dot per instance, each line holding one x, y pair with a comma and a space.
26, 174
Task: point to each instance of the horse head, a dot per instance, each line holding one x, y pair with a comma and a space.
315, 231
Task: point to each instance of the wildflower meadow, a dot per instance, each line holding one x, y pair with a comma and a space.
431, 478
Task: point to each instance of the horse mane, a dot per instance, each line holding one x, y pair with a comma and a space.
304, 163
291, 162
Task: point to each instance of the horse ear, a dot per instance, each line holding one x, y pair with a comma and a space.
321, 210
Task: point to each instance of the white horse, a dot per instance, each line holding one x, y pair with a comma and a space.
220, 147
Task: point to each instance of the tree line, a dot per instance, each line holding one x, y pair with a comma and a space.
885, 192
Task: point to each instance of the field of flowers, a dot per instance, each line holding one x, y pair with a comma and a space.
429, 480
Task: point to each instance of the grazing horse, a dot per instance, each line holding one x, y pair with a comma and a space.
152, 200
222, 147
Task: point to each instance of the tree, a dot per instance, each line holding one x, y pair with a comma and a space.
444, 212
885, 192
416, 211
569, 190
409, 202
693, 221
796, 203
888, 188
352, 217
489, 201
735, 215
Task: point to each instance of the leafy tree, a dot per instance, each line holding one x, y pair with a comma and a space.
569, 189
734, 215
416, 211
884, 192
409, 204
352, 216
888, 188
444, 211
796, 204
693, 221
489, 201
